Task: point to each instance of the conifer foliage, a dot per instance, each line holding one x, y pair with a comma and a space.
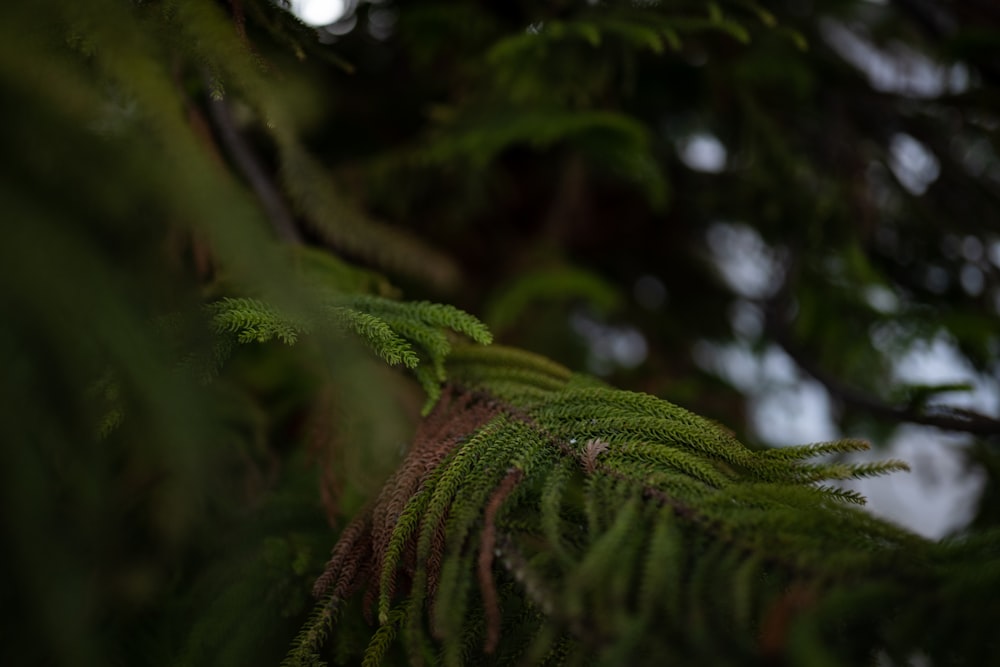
543, 518
244, 424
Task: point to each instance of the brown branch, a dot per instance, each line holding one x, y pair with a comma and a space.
246, 161
456, 416
487, 546
354, 541
240, 20
943, 417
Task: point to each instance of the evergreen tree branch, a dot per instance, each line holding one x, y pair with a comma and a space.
596, 515
246, 161
487, 545
947, 418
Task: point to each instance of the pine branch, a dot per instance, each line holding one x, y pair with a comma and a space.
609, 513
943, 417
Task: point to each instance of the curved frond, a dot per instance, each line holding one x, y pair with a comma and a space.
617, 521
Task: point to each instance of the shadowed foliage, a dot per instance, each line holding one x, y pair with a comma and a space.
238, 263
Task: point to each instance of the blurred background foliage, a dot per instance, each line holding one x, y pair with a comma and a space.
722, 204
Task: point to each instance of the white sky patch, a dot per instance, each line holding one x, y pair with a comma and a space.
609, 346
749, 266
882, 299
793, 415
897, 68
702, 151
936, 279
319, 12
914, 165
972, 249
994, 253
972, 279
938, 496
735, 363
785, 408
939, 362
746, 318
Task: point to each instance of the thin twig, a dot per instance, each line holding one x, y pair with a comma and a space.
246, 161
487, 544
944, 417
